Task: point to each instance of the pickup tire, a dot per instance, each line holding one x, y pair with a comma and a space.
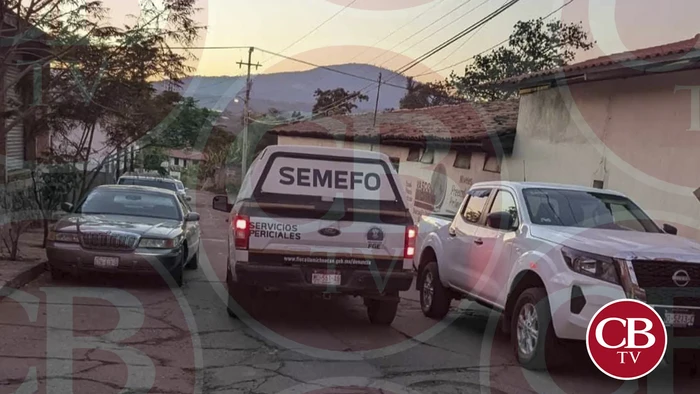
532, 334
382, 312
434, 297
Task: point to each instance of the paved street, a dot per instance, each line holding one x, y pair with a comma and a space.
100, 335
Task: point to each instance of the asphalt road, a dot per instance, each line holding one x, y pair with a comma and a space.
108, 334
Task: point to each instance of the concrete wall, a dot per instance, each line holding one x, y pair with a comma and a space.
437, 187
640, 136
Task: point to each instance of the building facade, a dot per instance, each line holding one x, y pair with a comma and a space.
438, 152
628, 122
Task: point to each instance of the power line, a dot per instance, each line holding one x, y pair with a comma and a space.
316, 28
437, 31
421, 30
490, 48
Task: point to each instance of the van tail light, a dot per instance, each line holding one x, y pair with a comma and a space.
409, 242
241, 231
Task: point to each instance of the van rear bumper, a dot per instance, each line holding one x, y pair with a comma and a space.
361, 282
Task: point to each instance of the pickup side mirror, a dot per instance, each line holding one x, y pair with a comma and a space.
668, 229
500, 221
67, 207
192, 217
220, 203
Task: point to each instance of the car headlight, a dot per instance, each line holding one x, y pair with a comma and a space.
63, 237
593, 265
159, 243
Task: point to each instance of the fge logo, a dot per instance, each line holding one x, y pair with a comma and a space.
626, 339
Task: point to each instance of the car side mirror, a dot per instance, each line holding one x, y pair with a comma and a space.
668, 229
500, 221
192, 217
220, 203
188, 198
67, 207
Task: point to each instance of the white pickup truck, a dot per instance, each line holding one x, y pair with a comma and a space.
329, 221
549, 256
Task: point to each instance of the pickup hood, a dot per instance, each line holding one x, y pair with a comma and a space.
141, 226
622, 244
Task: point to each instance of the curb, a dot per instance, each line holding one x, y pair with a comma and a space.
22, 279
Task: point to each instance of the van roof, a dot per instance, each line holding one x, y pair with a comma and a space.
323, 150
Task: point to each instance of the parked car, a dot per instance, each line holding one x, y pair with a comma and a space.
320, 220
520, 248
131, 229
162, 182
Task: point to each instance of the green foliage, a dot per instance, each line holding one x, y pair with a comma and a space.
153, 157
17, 211
182, 127
336, 101
422, 95
190, 176
533, 46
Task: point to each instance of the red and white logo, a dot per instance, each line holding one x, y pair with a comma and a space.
626, 339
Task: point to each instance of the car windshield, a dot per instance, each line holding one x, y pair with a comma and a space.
180, 186
159, 183
131, 203
573, 208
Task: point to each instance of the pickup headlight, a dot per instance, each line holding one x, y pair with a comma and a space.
159, 243
593, 265
63, 237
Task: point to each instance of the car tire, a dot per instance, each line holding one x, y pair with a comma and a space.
178, 272
56, 274
194, 262
382, 312
533, 346
434, 297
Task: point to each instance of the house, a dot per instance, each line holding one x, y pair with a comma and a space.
438, 151
628, 121
23, 71
179, 159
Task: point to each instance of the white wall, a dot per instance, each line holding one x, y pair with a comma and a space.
637, 135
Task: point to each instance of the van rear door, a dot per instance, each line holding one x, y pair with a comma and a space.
312, 210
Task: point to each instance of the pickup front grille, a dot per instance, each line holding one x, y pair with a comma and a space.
656, 278
108, 241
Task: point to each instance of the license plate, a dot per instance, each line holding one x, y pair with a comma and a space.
325, 279
679, 319
106, 262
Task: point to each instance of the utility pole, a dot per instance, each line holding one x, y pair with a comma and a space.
244, 159
376, 104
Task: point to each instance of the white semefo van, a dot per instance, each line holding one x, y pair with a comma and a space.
320, 220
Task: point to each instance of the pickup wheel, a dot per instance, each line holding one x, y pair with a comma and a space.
382, 312
532, 334
434, 297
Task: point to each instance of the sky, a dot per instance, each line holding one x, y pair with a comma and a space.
391, 33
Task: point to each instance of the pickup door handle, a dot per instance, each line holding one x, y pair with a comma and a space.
478, 241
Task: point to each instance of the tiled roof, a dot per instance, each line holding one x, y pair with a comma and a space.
447, 123
187, 154
618, 59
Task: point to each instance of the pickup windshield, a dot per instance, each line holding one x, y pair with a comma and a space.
573, 208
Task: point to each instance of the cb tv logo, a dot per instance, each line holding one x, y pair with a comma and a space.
626, 339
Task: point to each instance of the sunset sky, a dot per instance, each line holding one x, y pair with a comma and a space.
358, 33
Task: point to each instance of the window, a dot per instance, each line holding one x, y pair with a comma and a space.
492, 164
574, 208
598, 184
504, 202
176, 161
184, 163
395, 162
414, 154
463, 160
475, 205
428, 156
118, 202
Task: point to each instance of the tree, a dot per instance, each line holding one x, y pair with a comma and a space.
52, 185
422, 95
533, 46
336, 101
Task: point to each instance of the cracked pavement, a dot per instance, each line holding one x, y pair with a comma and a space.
136, 333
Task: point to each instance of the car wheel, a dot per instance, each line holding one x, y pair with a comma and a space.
532, 334
194, 263
382, 312
56, 274
434, 297
178, 272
